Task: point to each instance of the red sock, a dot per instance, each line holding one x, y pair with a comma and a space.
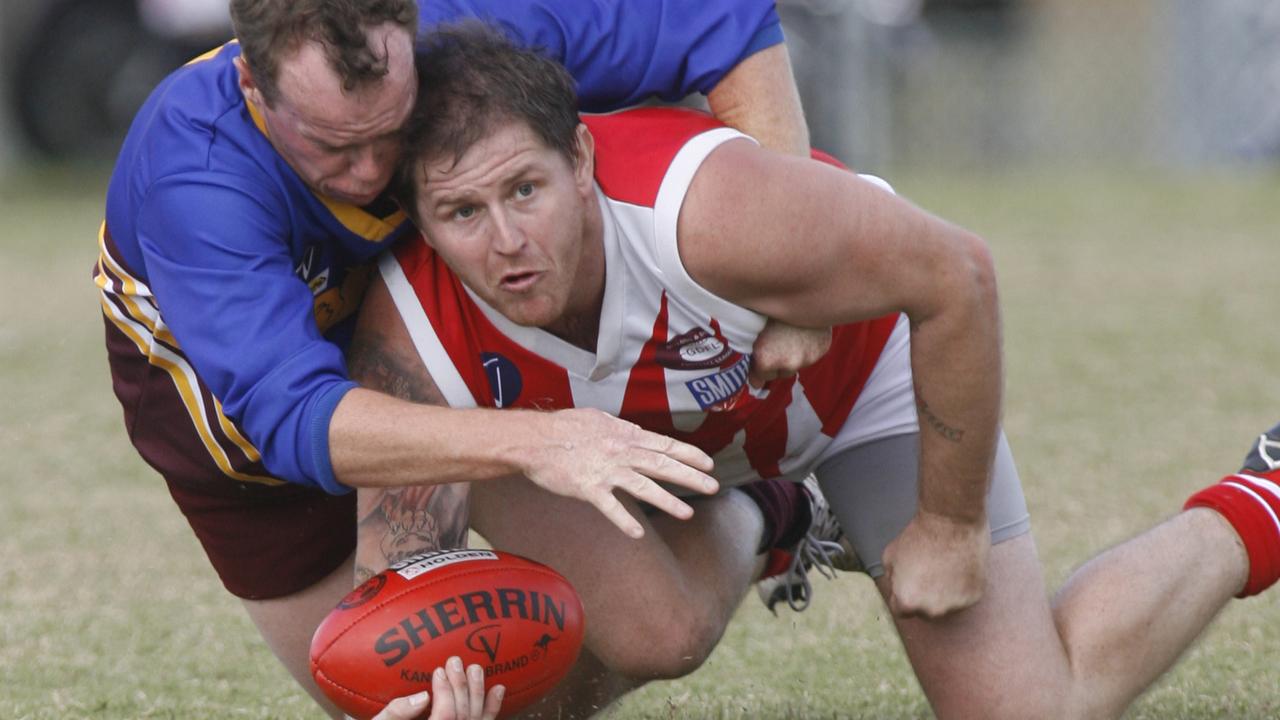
784, 506
1251, 503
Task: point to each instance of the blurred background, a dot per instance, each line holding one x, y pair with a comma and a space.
1119, 157
888, 84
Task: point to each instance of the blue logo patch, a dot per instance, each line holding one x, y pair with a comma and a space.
504, 379
714, 392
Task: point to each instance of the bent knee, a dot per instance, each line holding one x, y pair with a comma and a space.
663, 652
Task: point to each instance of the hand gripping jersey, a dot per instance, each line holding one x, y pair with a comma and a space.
228, 286
671, 356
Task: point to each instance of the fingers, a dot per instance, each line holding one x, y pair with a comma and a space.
405, 708
459, 695
759, 377
475, 688
646, 490
493, 702
616, 513
685, 454
677, 464
457, 679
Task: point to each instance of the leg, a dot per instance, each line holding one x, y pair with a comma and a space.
1119, 623
285, 551
657, 605
287, 624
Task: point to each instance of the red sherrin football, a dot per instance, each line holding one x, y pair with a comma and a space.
518, 619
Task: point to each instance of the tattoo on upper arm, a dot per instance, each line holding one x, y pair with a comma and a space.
927, 417
397, 523
375, 364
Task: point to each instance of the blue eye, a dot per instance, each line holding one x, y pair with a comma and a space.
524, 189
465, 212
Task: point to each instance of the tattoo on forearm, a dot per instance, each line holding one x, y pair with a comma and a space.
948, 432
405, 521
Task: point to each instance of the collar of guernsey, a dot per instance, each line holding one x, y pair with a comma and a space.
355, 219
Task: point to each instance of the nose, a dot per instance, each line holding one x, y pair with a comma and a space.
508, 238
367, 165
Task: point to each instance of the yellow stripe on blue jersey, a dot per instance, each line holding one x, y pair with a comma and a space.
135, 316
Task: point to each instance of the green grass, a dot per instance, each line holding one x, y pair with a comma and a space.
1142, 350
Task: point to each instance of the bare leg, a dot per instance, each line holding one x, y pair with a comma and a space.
656, 606
1119, 622
1128, 614
288, 623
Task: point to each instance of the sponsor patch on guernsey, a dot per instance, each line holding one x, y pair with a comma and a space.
694, 350
721, 390
412, 567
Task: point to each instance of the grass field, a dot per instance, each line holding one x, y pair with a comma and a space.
1140, 332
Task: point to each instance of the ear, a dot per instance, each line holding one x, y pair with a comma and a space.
248, 87
584, 170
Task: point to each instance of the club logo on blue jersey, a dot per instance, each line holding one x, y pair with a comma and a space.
310, 270
721, 391
504, 379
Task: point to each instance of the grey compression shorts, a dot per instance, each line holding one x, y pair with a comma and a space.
872, 489
869, 474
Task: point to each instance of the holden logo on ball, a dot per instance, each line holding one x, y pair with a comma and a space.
364, 593
486, 640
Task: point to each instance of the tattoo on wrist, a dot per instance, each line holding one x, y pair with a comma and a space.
953, 434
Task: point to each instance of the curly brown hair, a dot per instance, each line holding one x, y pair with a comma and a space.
270, 29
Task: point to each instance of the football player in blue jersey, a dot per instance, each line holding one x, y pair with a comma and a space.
241, 220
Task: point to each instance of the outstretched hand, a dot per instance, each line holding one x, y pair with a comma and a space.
458, 695
782, 350
936, 566
588, 454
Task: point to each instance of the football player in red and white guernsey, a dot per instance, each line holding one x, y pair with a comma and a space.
626, 262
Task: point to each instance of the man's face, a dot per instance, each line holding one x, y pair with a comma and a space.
344, 145
515, 220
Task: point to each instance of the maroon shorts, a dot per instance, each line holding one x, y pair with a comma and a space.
265, 538
268, 542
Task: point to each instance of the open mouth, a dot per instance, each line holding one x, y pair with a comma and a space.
518, 281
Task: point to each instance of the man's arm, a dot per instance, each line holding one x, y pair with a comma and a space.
382, 439
760, 98
858, 252
397, 522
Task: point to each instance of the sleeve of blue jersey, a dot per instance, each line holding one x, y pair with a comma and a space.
243, 318
621, 52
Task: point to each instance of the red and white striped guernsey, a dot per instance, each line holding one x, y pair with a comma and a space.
671, 356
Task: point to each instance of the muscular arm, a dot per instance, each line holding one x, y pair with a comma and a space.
759, 97
859, 252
